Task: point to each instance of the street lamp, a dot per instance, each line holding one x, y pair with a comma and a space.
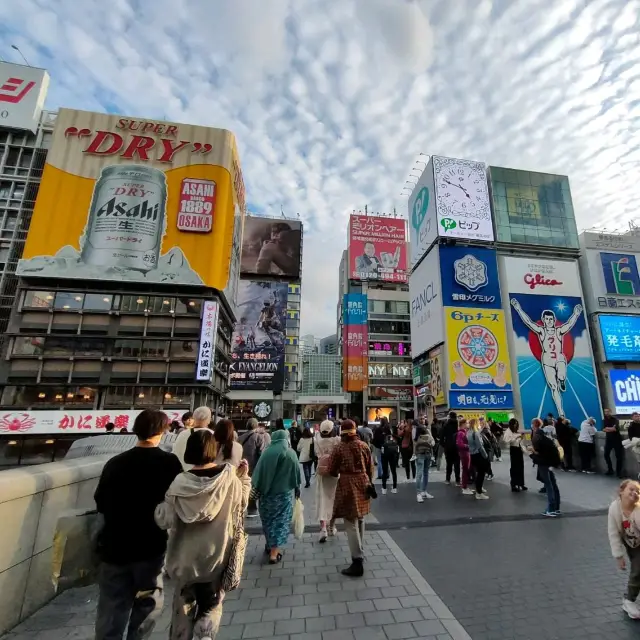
13, 46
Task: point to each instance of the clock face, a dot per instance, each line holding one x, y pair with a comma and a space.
462, 190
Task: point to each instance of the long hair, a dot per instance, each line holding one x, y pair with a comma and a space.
514, 425
224, 434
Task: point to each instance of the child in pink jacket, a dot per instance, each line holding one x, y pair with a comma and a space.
465, 458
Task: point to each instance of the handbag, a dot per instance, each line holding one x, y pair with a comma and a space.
233, 572
371, 492
324, 465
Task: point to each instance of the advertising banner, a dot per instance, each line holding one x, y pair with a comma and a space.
390, 348
355, 341
479, 368
469, 277
207, 348
258, 337
427, 328
625, 385
436, 383
397, 393
135, 200
389, 370
72, 422
423, 229
620, 338
552, 346
23, 90
463, 206
375, 413
377, 248
271, 247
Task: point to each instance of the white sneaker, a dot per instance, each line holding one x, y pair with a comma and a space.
333, 531
631, 609
420, 498
394, 490
467, 492
384, 492
482, 496
426, 495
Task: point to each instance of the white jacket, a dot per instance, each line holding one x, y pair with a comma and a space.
614, 527
180, 446
304, 449
587, 432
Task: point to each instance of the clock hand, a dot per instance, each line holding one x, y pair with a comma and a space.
459, 187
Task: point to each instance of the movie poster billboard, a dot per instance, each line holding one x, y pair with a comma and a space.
355, 341
132, 200
551, 339
259, 337
271, 247
377, 248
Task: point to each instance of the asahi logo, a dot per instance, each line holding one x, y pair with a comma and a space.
143, 211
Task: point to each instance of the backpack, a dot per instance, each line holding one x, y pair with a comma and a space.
391, 448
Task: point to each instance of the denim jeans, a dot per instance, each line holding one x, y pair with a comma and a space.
423, 463
131, 595
307, 467
553, 493
197, 612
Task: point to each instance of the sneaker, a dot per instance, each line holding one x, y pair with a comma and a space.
467, 492
332, 531
419, 498
543, 490
489, 477
549, 514
323, 537
593, 473
458, 484
447, 481
482, 496
384, 492
558, 512
631, 609
394, 490
252, 514
524, 488
426, 495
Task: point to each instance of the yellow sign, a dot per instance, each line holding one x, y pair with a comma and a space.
523, 202
478, 357
136, 200
436, 385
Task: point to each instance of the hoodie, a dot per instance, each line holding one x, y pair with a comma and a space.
200, 513
449, 433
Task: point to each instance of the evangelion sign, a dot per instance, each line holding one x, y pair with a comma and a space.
135, 200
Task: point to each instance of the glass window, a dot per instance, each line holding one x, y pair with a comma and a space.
119, 396
127, 348
28, 346
190, 306
154, 349
161, 305
402, 307
148, 395
87, 347
97, 301
37, 451
378, 306
177, 396
184, 349
59, 346
37, 299
68, 300
10, 452
80, 396
134, 303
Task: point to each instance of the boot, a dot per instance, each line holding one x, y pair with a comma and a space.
356, 570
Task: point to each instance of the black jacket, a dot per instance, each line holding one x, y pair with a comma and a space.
380, 434
449, 432
546, 452
634, 430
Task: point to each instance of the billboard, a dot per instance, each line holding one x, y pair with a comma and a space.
23, 90
423, 229
375, 413
208, 335
625, 385
469, 277
271, 247
463, 207
620, 338
377, 248
355, 341
425, 290
259, 337
135, 200
478, 359
551, 339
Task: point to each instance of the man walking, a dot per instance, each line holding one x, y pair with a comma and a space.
546, 455
253, 442
201, 420
613, 442
131, 546
448, 441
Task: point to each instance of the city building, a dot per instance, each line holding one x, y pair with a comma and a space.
373, 319
329, 345
265, 372
321, 394
309, 344
119, 304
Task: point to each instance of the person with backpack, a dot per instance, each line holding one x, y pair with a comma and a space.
380, 434
390, 453
448, 441
490, 445
546, 455
423, 448
326, 441
254, 441
405, 432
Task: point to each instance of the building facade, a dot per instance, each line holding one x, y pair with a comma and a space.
329, 345
321, 394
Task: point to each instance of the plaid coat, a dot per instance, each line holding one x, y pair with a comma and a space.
352, 462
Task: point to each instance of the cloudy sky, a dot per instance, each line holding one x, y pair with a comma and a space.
333, 100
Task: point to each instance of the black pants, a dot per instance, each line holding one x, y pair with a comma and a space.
586, 455
479, 463
409, 467
453, 463
517, 467
306, 468
619, 451
389, 463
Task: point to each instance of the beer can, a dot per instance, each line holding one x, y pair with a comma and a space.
127, 218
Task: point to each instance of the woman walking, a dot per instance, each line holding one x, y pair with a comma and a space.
423, 447
462, 445
276, 483
624, 538
513, 439
390, 452
202, 509
490, 445
305, 455
479, 457
325, 442
352, 464
228, 449
586, 445
405, 431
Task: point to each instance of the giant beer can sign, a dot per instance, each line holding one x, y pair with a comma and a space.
127, 218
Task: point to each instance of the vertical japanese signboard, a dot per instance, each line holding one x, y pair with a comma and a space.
206, 352
355, 340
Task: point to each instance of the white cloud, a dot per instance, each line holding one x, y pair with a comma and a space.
332, 100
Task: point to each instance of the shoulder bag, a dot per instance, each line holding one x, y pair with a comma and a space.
233, 573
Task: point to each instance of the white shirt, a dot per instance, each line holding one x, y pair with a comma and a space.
180, 446
587, 432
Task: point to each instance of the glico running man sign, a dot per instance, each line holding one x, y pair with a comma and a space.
135, 200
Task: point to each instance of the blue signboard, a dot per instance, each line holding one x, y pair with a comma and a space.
469, 400
621, 273
625, 384
354, 309
620, 338
469, 277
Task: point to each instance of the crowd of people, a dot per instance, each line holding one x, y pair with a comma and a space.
188, 506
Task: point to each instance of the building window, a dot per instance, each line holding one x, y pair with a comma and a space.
80, 396
134, 303
59, 346
188, 306
68, 300
145, 396
183, 349
127, 348
28, 346
402, 307
38, 299
119, 396
154, 349
161, 305
176, 396
84, 347
97, 302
